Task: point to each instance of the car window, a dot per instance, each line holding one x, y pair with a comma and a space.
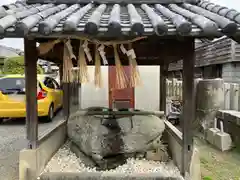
12, 84
57, 86
49, 83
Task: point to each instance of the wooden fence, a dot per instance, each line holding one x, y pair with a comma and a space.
231, 93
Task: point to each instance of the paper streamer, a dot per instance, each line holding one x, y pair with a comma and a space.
131, 53
123, 49
102, 54
87, 51
70, 49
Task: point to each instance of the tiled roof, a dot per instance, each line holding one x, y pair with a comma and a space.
202, 19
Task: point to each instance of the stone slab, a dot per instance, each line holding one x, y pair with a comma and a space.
102, 176
210, 135
223, 141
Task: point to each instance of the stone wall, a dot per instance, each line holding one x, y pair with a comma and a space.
231, 72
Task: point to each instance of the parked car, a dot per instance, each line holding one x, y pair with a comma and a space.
12, 97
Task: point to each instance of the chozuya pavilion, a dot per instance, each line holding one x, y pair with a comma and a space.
117, 32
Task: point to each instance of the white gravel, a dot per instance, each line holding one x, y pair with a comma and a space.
66, 161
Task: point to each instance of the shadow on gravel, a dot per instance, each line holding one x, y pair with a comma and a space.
22, 121
18, 121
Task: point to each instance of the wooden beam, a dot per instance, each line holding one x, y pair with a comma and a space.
66, 100
30, 57
188, 104
162, 94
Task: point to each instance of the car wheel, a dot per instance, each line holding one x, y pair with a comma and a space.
1, 120
50, 113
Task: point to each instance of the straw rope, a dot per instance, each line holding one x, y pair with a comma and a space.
47, 46
97, 72
107, 43
135, 79
83, 75
121, 78
67, 66
44, 48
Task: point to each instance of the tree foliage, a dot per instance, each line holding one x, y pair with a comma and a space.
15, 65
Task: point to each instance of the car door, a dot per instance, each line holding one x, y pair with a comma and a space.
12, 97
59, 92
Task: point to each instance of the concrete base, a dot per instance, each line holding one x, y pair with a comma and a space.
103, 176
33, 161
175, 142
223, 141
210, 135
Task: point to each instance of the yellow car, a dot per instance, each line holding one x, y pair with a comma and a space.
12, 97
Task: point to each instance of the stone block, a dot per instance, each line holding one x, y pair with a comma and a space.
210, 136
223, 141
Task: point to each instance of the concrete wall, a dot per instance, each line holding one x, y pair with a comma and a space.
33, 161
146, 95
90, 96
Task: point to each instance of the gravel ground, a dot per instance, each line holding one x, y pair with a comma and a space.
66, 161
12, 140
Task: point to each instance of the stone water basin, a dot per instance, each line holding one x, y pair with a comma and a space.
106, 146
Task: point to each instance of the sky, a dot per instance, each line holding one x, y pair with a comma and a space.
18, 43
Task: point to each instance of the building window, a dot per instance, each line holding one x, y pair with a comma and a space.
219, 70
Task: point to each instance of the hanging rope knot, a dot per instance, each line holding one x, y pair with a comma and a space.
97, 73
67, 64
82, 64
87, 51
135, 79
121, 78
103, 54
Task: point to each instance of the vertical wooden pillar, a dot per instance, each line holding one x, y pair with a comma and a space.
60, 74
66, 93
66, 100
162, 95
188, 103
31, 57
80, 96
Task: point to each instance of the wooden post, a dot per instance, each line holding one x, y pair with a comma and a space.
60, 74
80, 96
31, 57
66, 99
188, 104
162, 94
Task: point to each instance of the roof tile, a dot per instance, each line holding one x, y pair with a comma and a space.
202, 19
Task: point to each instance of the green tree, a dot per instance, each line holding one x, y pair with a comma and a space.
15, 65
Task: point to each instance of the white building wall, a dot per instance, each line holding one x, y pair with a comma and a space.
146, 95
90, 96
